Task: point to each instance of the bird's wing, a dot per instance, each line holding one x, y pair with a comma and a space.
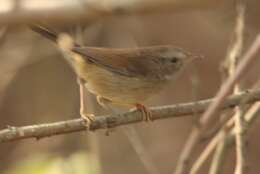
134, 62
128, 62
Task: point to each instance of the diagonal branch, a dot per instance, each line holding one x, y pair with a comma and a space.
235, 55
102, 122
210, 114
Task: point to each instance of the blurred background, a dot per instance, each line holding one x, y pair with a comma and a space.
38, 86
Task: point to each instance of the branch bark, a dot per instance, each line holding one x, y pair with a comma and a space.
102, 122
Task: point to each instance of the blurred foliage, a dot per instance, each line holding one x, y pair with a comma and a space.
77, 163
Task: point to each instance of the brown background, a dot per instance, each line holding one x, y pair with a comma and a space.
37, 86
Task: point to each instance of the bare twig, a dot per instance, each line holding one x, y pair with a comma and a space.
162, 112
247, 60
204, 155
220, 153
215, 141
233, 58
218, 139
220, 143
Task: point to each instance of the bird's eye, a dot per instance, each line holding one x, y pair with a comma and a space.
174, 60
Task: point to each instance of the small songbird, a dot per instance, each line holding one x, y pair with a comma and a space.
125, 76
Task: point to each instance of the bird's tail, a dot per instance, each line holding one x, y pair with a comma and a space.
45, 32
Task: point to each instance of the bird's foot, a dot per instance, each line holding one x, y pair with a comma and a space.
146, 113
88, 118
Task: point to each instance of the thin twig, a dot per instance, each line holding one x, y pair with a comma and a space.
233, 57
206, 119
204, 155
220, 153
244, 65
101, 122
250, 116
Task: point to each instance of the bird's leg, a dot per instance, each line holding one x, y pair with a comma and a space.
87, 117
103, 102
146, 113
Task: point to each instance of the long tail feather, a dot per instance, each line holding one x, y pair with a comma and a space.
45, 32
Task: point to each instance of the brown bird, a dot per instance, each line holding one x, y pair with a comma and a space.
126, 76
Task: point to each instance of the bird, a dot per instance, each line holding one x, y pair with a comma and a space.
121, 76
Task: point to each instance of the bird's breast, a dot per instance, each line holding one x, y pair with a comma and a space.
119, 88
113, 86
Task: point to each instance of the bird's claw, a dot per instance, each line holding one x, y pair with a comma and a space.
146, 113
88, 118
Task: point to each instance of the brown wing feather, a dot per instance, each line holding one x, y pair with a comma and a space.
128, 62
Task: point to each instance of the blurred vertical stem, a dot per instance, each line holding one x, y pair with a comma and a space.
220, 154
233, 57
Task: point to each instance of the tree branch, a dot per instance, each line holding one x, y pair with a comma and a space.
102, 122
57, 11
218, 140
210, 114
235, 55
